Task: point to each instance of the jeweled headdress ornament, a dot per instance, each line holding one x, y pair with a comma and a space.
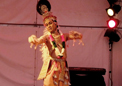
43, 8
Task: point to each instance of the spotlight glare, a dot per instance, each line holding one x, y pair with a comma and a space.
112, 23
110, 12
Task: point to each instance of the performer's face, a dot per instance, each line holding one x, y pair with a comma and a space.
51, 26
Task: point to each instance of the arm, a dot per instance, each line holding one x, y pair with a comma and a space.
33, 40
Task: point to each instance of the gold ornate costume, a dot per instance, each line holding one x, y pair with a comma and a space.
53, 71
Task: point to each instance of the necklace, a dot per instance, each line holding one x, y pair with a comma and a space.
55, 46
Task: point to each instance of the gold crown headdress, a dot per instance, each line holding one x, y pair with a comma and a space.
43, 8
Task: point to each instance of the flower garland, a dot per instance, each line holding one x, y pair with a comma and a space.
55, 46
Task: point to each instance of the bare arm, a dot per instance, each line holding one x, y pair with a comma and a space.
33, 40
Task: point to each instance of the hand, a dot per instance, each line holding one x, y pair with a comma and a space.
33, 41
75, 35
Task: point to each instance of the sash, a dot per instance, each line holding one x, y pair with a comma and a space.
44, 69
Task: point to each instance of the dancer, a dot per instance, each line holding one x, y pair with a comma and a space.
55, 70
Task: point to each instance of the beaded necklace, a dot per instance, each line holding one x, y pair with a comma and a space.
55, 46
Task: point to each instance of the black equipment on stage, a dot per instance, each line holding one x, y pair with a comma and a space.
82, 76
